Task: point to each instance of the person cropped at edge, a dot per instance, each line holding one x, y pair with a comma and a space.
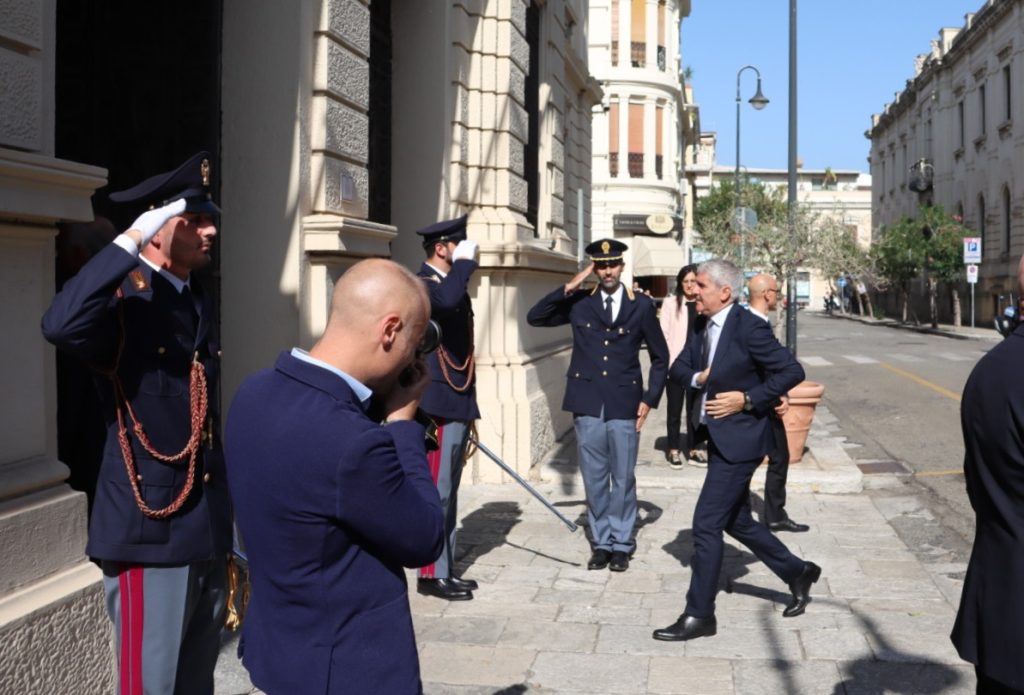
677, 317
327, 467
450, 399
764, 296
734, 350
605, 391
162, 532
989, 627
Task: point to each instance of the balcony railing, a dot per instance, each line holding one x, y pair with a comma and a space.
636, 165
661, 58
615, 52
613, 164
638, 53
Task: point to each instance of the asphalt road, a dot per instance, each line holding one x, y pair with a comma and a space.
896, 394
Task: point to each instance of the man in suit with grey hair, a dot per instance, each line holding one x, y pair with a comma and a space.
738, 371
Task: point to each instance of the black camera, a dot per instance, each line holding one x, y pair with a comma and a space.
431, 338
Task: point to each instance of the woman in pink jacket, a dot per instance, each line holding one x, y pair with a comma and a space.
677, 316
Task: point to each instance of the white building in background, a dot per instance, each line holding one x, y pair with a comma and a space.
840, 193
641, 134
955, 137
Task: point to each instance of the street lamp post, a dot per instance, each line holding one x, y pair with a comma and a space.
758, 101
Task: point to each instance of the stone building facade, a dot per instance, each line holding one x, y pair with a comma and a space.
338, 127
954, 136
641, 134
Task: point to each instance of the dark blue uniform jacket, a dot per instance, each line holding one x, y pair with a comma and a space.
748, 358
332, 506
451, 308
159, 342
604, 370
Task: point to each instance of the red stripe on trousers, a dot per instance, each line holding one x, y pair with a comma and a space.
434, 464
130, 582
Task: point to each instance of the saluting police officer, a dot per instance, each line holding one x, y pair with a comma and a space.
450, 399
161, 520
605, 391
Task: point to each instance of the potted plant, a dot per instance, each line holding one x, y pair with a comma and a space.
803, 399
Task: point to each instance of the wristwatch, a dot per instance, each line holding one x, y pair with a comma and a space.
747, 405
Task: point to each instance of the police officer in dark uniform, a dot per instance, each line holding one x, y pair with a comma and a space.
450, 399
161, 521
605, 391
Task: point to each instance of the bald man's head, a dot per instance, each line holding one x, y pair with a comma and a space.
764, 292
371, 289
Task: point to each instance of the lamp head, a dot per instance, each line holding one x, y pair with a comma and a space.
759, 100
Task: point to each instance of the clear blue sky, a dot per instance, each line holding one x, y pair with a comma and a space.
851, 59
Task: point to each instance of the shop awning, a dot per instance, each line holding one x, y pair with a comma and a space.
656, 255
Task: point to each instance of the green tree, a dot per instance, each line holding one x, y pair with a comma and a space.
818, 241
899, 256
943, 237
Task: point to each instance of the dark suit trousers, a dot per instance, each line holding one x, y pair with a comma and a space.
775, 476
676, 395
724, 506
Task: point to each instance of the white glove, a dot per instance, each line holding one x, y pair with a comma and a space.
467, 249
150, 222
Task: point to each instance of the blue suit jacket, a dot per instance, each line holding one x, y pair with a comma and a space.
331, 506
988, 624
604, 370
748, 358
450, 306
159, 342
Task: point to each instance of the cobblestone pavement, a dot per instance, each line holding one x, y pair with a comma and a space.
542, 623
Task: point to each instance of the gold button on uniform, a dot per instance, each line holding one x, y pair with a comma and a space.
605, 358
161, 350
606, 343
206, 477
138, 477
604, 373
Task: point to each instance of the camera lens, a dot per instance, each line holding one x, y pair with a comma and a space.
431, 338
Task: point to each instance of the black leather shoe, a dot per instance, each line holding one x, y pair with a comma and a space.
444, 589
801, 588
687, 627
620, 561
599, 559
460, 583
788, 525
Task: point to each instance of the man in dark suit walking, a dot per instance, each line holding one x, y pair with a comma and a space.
738, 370
763, 290
450, 398
328, 471
989, 626
161, 518
605, 391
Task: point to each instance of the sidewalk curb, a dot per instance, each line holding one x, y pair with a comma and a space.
893, 323
826, 468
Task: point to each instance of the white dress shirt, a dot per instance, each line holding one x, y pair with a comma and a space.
714, 329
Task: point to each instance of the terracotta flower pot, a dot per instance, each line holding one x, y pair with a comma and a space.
803, 398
